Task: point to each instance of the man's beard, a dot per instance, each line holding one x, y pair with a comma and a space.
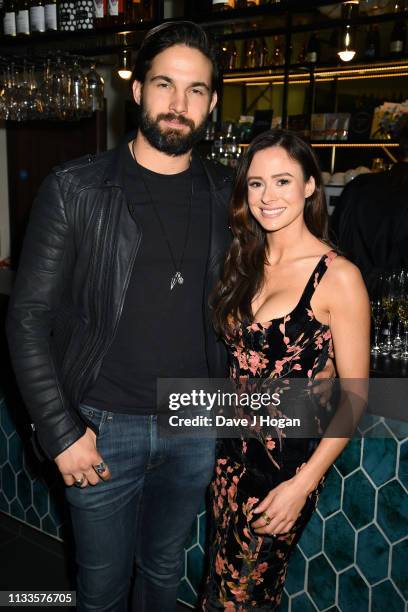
170, 141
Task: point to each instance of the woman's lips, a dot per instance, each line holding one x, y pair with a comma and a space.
272, 213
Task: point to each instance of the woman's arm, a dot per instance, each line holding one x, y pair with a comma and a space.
349, 309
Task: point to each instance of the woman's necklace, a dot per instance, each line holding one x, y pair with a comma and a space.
177, 278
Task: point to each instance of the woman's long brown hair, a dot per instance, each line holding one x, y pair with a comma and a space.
243, 272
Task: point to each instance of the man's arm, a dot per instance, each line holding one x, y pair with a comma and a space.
44, 270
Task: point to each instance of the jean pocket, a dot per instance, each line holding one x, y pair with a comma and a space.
93, 417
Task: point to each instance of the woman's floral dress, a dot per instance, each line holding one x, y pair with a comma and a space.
247, 571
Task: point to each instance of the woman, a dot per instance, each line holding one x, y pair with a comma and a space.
264, 489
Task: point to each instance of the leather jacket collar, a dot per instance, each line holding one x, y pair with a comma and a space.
218, 175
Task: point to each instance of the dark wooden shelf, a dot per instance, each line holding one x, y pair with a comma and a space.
10, 45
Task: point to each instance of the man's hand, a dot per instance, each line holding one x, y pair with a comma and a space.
79, 461
324, 389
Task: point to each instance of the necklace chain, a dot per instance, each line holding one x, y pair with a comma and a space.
177, 278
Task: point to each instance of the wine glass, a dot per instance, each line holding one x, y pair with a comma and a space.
95, 89
377, 312
390, 304
78, 91
400, 288
403, 312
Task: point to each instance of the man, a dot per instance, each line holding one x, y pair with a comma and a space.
121, 253
370, 222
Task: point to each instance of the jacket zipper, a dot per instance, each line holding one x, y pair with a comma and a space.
93, 356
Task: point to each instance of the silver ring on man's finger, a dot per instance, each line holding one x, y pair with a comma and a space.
100, 468
79, 482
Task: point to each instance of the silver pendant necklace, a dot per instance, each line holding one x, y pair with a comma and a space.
177, 278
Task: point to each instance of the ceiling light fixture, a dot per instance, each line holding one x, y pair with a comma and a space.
349, 10
125, 64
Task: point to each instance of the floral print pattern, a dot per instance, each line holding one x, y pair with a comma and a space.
247, 571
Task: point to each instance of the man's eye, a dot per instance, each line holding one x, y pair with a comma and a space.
163, 85
282, 182
197, 91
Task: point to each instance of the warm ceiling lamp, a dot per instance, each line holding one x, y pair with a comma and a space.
349, 10
125, 64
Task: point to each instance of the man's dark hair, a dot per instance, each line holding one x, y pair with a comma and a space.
167, 35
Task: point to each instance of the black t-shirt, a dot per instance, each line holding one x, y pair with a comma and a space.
160, 332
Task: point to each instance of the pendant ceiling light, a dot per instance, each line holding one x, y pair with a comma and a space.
347, 50
125, 64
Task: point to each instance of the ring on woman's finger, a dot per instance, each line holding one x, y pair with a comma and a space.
79, 481
266, 518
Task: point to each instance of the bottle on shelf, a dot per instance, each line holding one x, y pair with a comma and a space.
9, 18
134, 11
100, 13
398, 33
37, 16
277, 54
116, 12
222, 5
138, 11
66, 15
313, 49
264, 56
252, 53
51, 15
84, 14
372, 47
301, 58
231, 56
246, 3
23, 18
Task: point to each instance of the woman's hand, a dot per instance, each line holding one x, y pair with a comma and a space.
280, 508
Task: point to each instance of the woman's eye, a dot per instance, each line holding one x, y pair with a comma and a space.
282, 182
254, 184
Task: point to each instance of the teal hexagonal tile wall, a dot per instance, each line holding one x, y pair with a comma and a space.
403, 464
380, 455
393, 510
330, 497
373, 553
349, 459
385, 597
399, 567
339, 538
311, 539
295, 578
15, 454
353, 592
321, 582
354, 550
302, 603
359, 499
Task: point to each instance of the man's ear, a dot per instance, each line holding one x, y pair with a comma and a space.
137, 91
310, 187
214, 99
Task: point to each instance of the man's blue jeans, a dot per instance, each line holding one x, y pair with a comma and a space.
141, 517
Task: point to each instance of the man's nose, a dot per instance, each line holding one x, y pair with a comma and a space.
178, 102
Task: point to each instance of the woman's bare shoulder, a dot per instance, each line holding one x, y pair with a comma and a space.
343, 270
343, 280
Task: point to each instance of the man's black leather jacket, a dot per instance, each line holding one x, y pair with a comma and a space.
77, 258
